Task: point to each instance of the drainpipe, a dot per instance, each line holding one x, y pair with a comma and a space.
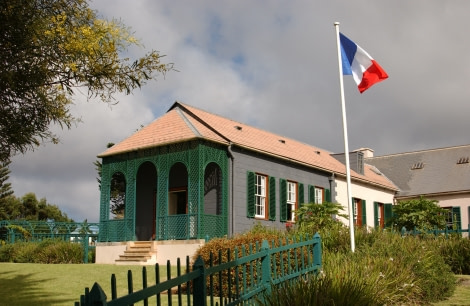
331, 179
232, 158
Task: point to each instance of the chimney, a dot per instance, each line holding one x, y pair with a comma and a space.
356, 160
366, 151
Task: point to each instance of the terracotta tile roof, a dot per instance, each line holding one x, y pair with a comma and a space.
171, 128
183, 122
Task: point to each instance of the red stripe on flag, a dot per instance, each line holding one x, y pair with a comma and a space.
372, 75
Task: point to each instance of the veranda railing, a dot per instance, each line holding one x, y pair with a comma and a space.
12, 231
240, 280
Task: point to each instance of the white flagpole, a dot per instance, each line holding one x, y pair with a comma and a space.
346, 147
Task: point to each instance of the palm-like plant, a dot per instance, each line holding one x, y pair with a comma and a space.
312, 217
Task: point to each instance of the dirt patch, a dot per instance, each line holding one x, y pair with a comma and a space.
464, 282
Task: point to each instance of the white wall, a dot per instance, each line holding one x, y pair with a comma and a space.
362, 191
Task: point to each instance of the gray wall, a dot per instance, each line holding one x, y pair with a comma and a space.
245, 161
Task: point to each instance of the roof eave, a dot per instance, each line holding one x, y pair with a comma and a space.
134, 149
343, 174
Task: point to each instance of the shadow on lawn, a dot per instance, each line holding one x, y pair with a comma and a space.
23, 290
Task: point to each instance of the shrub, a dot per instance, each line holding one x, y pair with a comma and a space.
57, 252
92, 256
411, 256
47, 251
378, 277
386, 269
320, 290
7, 252
347, 279
224, 250
313, 217
455, 251
25, 252
336, 238
422, 213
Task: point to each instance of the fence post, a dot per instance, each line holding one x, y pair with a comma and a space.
85, 248
266, 279
97, 296
265, 265
12, 235
403, 231
199, 283
317, 250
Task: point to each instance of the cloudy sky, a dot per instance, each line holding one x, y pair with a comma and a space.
273, 64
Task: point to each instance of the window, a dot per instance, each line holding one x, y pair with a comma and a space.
318, 195
117, 199
379, 215
291, 201
213, 190
359, 212
177, 201
382, 214
178, 190
260, 196
291, 195
453, 219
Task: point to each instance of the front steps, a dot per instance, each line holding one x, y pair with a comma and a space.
138, 253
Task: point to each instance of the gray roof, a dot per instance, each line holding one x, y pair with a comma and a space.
435, 171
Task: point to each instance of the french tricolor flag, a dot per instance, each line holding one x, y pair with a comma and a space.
358, 63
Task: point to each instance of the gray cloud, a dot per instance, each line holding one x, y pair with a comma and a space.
273, 64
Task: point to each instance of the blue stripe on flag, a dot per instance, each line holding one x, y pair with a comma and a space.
348, 50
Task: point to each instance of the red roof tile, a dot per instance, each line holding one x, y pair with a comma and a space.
183, 122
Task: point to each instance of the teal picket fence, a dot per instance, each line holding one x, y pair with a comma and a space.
241, 280
12, 231
445, 232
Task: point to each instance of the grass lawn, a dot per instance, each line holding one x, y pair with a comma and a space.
39, 284
461, 295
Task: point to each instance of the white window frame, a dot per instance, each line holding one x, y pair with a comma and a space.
380, 213
319, 192
260, 196
291, 199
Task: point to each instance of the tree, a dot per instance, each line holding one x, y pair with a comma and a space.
49, 49
421, 213
29, 208
5, 188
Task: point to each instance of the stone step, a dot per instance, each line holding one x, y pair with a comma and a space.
137, 252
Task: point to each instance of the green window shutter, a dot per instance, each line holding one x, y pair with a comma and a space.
272, 198
364, 213
301, 194
376, 215
388, 214
456, 219
283, 199
250, 195
327, 195
311, 194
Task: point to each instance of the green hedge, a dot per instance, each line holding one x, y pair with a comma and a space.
46, 252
